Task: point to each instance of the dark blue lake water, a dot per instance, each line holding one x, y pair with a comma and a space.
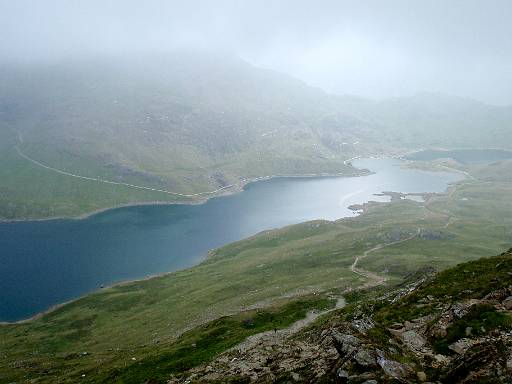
49, 262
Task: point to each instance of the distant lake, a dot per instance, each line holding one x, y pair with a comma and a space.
49, 262
463, 156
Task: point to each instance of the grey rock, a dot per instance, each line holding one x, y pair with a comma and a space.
345, 343
460, 310
363, 325
393, 368
422, 377
461, 346
409, 326
507, 303
413, 340
365, 358
342, 374
509, 363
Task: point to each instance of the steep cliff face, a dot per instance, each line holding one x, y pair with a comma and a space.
450, 327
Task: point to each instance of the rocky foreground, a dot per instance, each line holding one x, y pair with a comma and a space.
450, 327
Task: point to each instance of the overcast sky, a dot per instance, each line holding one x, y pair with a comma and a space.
376, 49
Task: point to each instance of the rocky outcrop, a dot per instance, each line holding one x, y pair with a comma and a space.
455, 327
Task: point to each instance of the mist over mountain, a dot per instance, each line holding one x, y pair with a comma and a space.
191, 122
368, 48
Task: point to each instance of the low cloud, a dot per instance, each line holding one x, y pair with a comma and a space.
370, 48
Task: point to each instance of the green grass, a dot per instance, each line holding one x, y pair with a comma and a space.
471, 280
29, 191
204, 342
481, 320
266, 270
158, 361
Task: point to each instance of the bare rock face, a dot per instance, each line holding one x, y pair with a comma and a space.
481, 362
345, 344
393, 368
353, 351
343, 375
413, 340
366, 358
459, 310
363, 325
507, 303
498, 295
422, 377
460, 347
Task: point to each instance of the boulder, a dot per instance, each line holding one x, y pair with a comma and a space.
460, 347
396, 332
393, 368
498, 295
439, 331
422, 377
363, 325
345, 343
366, 358
460, 310
508, 364
413, 340
342, 375
409, 326
507, 303
441, 359
477, 364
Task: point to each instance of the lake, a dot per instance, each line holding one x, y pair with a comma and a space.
49, 262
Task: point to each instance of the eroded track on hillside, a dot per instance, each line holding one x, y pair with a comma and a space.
373, 278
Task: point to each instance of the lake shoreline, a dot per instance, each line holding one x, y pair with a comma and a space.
57, 306
228, 191
239, 187
362, 210
98, 288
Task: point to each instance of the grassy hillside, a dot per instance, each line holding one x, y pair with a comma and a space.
29, 191
120, 326
193, 123
187, 124
449, 327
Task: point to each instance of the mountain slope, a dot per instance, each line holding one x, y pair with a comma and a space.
186, 124
166, 128
453, 327
436, 120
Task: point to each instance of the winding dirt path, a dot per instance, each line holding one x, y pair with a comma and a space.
26, 157
373, 278
272, 337
249, 353
276, 336
249, 357
240, 184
